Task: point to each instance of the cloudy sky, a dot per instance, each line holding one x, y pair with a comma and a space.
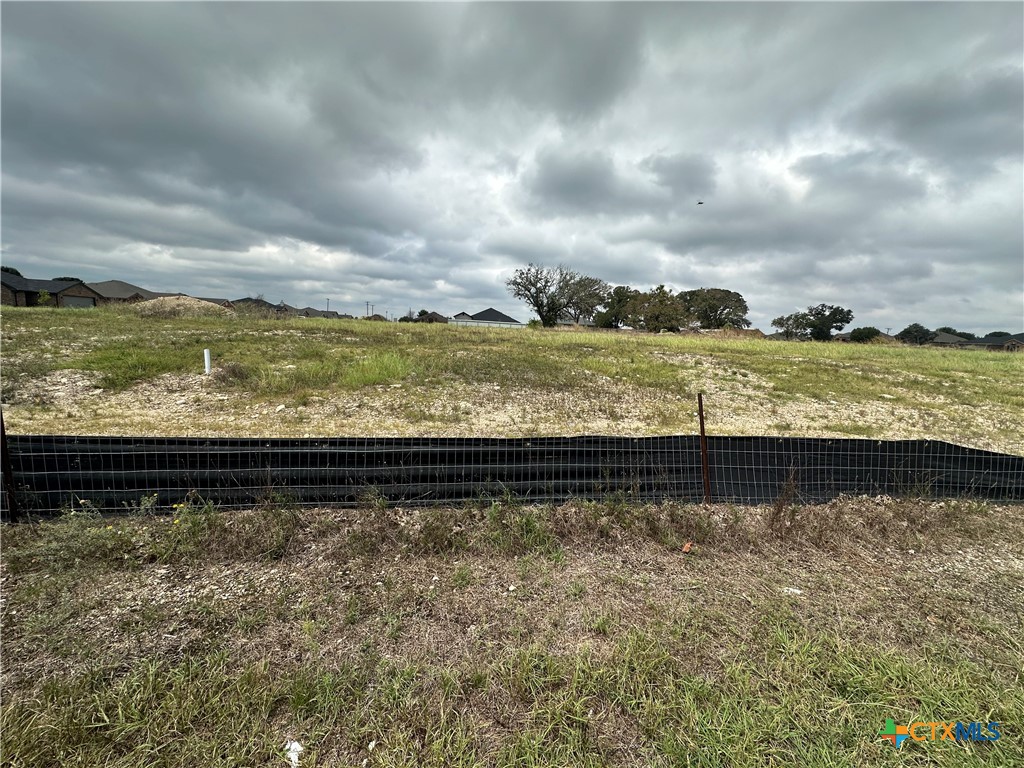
867, 155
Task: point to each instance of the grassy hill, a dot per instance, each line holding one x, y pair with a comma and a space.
111, 371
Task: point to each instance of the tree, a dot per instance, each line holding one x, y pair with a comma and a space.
863, 335
421, 313
584, 294
715, 307
794, 326
614, 313
657, 310
955, 332
997, 334
825, 318
70, 279
545, 289
11, 271
43, 298
915, 333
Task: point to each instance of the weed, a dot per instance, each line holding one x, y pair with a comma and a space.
783, 514
462, 577
234, 374
599, 623
519, 530
441, 531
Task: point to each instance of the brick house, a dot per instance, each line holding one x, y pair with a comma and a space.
18, 291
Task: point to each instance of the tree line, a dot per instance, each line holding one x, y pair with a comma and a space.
915, 333
562, 294
559, 293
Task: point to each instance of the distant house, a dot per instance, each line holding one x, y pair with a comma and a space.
490, 317
263, 307
433, 317
25, 292
226, 303
943, 339
1014, 343
120, 291
328, 314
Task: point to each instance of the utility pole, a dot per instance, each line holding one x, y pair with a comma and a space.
367, 309
328, 305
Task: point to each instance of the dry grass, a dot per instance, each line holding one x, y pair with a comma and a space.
505, 635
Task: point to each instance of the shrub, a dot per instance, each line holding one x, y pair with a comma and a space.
862, 335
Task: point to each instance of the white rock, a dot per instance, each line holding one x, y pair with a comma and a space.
294, 749
279, 409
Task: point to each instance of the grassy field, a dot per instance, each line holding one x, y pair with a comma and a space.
496, 635
112, 372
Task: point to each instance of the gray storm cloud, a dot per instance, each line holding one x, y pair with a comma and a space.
414, 154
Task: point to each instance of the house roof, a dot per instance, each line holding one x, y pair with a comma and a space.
214, 300
263, 303
314, 312
119, 289
463, 316
16, 283
252, 300
491, 315
996, 341
432, 317
947, 338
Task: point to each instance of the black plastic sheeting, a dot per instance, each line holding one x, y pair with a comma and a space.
52, 473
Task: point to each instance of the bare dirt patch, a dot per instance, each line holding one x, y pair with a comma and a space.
69, 402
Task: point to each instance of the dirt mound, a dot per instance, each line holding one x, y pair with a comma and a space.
179, 306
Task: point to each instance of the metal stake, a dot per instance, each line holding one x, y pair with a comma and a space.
704, 449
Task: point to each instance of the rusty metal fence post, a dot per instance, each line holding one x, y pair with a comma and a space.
705, 468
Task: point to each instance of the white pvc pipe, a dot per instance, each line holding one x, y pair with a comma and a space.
206, 360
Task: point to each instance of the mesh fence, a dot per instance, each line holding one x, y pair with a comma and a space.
50, 473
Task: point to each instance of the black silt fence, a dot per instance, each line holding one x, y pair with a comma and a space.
51, 473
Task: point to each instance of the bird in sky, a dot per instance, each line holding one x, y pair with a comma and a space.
700, 202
